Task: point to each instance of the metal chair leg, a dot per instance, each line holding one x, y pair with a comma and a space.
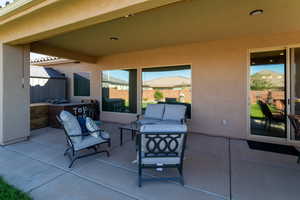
72, 162
140, 177
181, 176
66, 151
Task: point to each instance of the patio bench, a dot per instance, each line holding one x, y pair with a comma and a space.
163, 114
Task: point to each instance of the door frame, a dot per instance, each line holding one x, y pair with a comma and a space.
287, 96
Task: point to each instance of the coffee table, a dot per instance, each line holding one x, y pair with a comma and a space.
134, 127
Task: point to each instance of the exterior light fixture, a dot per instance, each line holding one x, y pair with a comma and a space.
128, 15
256, 12
114, 38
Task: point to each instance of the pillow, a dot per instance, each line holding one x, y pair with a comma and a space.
174, 112
71, 125
154, 111
92, 126
81, 121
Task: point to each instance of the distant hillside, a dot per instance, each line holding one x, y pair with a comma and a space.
273, 78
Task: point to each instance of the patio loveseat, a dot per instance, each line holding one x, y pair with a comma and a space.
163, 114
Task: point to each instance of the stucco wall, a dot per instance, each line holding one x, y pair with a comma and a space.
69, 68
14, 93
219, 78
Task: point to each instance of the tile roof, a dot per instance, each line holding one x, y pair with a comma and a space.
43, 59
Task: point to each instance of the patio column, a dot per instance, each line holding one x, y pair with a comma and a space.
14, 93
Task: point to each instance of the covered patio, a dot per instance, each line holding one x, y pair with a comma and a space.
41, 169
216, 41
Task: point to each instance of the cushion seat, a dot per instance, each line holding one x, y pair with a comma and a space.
88, 141
168, 122
148, 121
161, 161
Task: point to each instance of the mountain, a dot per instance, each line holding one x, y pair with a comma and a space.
276, 79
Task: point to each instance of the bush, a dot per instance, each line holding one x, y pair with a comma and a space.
158, 95
8, 192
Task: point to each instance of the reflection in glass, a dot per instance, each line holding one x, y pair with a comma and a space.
267, 94
295, 87
119, 90
170, 85
81, 84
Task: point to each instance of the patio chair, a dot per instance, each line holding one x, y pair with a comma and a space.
269, 116
161, 147
78, 140
295, 121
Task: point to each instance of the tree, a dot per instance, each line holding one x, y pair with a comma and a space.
158, 95
260, 84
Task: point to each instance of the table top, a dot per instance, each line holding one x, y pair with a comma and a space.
135, 126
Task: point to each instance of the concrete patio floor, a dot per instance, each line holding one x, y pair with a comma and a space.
37, 166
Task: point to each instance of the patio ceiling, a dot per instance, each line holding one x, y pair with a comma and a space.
184, 22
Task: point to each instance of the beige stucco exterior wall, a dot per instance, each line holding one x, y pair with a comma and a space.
14, 98
70, 68
219, 78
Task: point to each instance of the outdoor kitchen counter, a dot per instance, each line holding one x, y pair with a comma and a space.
55, 109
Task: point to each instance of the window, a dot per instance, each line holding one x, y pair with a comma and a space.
170, 85
81, 84
119, 91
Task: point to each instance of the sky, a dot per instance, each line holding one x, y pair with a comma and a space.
124, 75
276, 68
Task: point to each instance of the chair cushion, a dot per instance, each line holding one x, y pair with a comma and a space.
92, 126
174, 112
161, 161
164, 128
148, 121
168, 122
154, 111
71, 125
88, 141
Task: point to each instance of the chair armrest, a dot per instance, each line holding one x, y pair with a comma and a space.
84, 134
100, 133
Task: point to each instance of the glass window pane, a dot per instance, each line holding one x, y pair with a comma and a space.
119, 90
268, 94
170, 85
81, 84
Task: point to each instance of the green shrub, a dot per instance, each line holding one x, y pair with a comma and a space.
8, 192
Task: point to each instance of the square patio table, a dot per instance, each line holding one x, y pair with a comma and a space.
134, 127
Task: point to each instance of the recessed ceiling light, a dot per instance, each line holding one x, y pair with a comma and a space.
256, 12
114, 38
129, 15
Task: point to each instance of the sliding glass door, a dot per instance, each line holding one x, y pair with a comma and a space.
295, 88
267, 94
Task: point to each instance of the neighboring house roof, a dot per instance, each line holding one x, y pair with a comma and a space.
49, 60
4, 3
168, 82
114, 80
43, 72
